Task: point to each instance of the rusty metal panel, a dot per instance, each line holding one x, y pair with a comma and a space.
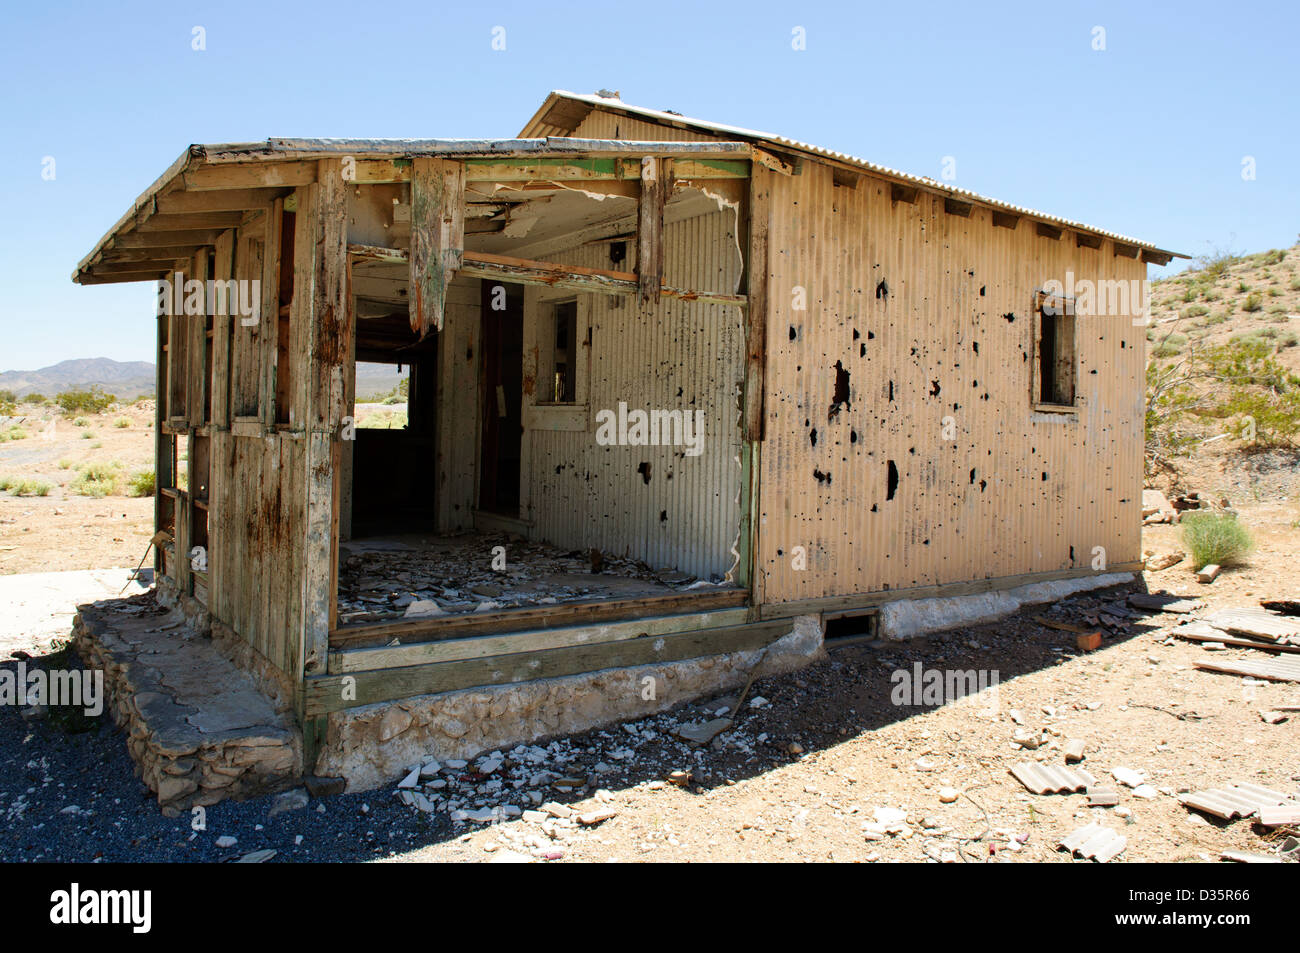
1240, 799
937, 468
680, 511
1051, 778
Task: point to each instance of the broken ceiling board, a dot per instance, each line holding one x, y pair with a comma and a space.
437, 238
1051, 779
1257, 622
1095, 842
1275, 670
1239, 799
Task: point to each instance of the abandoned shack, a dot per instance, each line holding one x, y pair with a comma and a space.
681, 395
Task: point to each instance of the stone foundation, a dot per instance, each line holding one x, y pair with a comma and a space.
375, 744
197, 728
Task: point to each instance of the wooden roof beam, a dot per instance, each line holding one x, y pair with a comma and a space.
225, 200
162, 239
250, 175
194, 221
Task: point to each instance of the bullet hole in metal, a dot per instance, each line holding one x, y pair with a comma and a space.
812, 435
856, 335
862, 349
976, 346
793, 333
663, 516
1044, 476
841, 396
1010, 317
882, 290
891, 480
972, 476
853, 436
822, 477
891, 390
983, 288
983, 484
643, 468
934, 388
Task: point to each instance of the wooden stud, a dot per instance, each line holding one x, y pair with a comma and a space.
656, 186
437, 238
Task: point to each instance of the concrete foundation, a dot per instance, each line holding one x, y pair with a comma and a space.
375, 744
907, 618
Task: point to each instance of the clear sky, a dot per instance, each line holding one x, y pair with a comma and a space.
1146, 137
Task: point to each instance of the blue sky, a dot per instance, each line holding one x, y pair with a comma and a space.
1145, 137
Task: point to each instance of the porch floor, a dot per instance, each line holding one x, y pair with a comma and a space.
411, 576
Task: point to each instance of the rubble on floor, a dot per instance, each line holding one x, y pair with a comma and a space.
384, 579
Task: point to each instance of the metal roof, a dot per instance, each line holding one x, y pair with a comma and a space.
552, 110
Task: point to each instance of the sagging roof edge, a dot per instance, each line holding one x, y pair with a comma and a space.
538, 121
282, 149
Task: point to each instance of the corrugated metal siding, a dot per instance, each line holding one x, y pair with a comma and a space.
603, 125
1050, 483
675, 355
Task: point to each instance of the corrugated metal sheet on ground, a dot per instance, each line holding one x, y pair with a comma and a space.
1276, 670
1051, 778
1257, 622
1096, 842
1240, 799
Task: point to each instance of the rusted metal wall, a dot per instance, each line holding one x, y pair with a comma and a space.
673, 355
930, 315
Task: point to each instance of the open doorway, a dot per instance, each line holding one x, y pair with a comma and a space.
501, 398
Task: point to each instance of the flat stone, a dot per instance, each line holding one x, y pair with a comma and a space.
703, 732
324, 787
598, 816
294, 800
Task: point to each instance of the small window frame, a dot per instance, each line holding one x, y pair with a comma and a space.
1059, 310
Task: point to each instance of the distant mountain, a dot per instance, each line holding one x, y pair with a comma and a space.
125, 379
130, 379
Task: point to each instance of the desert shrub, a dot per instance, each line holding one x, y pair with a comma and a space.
1217, 318
92, 401
13, 433
65, 464
1288, 339
81, 422
1195, 311
1274, 256
122, 422
30, 488
1251, 304
1215, 538
141, 483
95, 479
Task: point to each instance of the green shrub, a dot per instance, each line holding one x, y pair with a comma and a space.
122, 422
92, 401
65, 464
141, 483
95, 479
30, 488
1215, 538
81, 422
1251, 304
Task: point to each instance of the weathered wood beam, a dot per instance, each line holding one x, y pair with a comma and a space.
552, 169
218, 221
113, 256
223, 316
324, 693
329, 354
161, 239
437, 237
756, 278
224, 200
250, 175
656, 186
527, 271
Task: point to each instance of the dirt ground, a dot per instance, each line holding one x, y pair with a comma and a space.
64, 530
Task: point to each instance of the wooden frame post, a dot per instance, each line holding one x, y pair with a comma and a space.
656, 186
437, 237
329, 347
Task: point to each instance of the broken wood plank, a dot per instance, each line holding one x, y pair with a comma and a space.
1282, 606
1201, 632
1275, 670
1256, 622
250, 175
437, 238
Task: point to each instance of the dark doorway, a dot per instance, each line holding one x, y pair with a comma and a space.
502, 397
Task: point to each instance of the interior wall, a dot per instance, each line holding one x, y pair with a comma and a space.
652, 503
